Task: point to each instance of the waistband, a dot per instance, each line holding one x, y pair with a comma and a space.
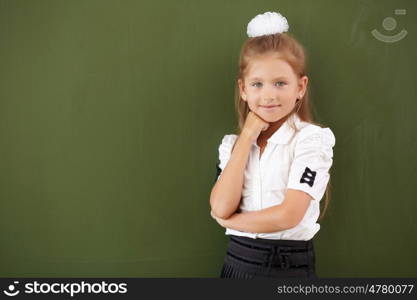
269, 253
267, 243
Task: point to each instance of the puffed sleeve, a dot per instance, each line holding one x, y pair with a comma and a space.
313, 158
225, 150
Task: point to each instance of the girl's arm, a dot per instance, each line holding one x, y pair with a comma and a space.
275, 218
227, 191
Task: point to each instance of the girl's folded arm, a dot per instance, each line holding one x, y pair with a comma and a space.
272, 219
226, 193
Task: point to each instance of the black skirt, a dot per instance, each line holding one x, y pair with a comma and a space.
266, 258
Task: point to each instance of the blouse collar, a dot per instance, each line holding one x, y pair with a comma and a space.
284, 134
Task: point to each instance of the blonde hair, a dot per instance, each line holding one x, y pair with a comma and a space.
290, 50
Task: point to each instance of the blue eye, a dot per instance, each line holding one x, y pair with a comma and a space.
280, 83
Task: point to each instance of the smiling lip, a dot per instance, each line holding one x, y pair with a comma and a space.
269, 106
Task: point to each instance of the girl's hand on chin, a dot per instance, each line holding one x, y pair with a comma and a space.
253, 126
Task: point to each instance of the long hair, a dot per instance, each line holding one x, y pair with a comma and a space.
290, 50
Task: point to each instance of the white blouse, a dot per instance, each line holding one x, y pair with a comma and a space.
291, 160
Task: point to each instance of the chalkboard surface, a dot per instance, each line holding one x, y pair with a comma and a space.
111, 114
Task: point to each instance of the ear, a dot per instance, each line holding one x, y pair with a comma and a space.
242, 89
302, 84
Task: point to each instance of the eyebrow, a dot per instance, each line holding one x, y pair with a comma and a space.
257, 78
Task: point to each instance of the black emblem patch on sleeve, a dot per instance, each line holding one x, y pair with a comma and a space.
308, 177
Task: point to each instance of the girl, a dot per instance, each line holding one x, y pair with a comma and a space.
274, 172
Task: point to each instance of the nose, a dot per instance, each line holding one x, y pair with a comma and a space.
269, 95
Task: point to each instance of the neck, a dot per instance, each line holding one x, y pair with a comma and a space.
273, 126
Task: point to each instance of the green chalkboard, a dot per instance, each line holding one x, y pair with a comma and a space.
111, 114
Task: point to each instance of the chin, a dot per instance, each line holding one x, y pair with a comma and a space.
270, 119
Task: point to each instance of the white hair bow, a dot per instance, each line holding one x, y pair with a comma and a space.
267, 23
